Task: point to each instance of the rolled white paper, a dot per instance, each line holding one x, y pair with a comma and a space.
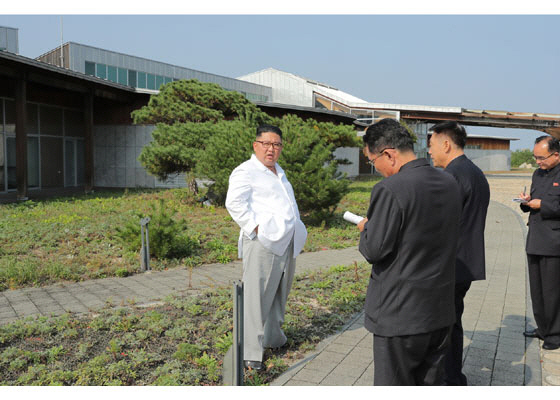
355, 219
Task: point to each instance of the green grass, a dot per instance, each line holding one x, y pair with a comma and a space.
73, 239
181, 342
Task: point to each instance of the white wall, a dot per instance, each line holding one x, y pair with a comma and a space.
352, 154
490, 160
116, 149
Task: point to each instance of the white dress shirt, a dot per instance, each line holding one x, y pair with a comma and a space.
258, 197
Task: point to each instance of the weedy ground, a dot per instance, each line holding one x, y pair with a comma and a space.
179, 342
76, 238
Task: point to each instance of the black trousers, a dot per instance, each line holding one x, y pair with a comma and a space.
454, 356
410, 360
544, 281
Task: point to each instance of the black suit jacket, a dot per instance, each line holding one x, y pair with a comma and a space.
411, 240
543, 237
475, 196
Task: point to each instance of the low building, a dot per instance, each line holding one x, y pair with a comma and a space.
489, 153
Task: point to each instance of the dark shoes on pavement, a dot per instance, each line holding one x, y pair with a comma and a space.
532, 333
256, 365
550, 346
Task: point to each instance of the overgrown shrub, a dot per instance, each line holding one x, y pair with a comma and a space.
307, 158
168, 237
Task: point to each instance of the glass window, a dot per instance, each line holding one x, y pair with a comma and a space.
80, 163
142, 80
123, 76
74, 124
33, 161
52, 165
50, 120
69, 163
112, 73
159, 81
11, 162
167, 79
10, 116
151, 81
101, 71
32, 124
90, 68
132, 81
2, 176
322, 103
340, 107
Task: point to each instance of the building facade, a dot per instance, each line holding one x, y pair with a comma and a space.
138, 72
9, 39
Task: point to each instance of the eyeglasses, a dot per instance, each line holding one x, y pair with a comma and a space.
373, 160
541, 158
266, 145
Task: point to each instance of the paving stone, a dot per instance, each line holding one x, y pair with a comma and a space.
320, 365
340, 348
295, 382
551, 368
329, 357
553, 380
350, 370
477, 379
483, 345
551, 355
486, 336
7, 313
347, 340
338, 380
311, 375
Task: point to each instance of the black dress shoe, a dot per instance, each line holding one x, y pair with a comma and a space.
256, 365
550, 346
532, 333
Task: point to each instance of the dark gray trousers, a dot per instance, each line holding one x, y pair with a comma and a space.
544, 281
410, 360
454, 357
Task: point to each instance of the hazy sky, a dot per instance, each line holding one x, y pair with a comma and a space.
493, 62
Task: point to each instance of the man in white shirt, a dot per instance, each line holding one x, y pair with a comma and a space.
261, 201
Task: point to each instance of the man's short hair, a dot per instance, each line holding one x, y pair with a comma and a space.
453, 130
268, 128
388, 133
553, 143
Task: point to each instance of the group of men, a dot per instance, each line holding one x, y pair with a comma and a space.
423, 234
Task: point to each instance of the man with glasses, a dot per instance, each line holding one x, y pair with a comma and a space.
543, 241
261, 201
410, 238
447, 142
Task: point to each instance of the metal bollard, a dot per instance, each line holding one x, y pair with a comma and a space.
145, 251
233, 368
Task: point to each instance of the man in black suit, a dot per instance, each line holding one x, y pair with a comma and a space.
543, 241
410, 236
446, 148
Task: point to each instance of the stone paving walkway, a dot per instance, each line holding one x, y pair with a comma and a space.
497, 310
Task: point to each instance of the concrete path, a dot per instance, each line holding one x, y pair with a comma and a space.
143, 288
497, 311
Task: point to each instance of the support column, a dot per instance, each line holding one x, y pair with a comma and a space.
88, 142
21, 138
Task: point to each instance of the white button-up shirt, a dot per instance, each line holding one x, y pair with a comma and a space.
258, 197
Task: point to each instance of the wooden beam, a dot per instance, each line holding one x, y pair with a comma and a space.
21, 138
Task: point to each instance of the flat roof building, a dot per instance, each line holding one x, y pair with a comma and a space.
9, 39
138, 72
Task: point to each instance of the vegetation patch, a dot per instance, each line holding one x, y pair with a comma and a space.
181, 342
77, 238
